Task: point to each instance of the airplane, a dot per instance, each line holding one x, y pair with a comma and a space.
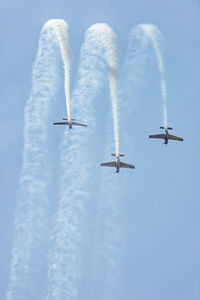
70, 123
166, 136
117, 163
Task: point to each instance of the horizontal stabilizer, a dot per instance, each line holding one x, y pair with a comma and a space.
119, 155
67, 119
169, 128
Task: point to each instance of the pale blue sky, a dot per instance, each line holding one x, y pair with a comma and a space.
160, 212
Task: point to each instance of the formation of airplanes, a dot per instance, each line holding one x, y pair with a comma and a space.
117, 164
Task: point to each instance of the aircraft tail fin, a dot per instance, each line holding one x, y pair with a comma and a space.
169, 128
114, 154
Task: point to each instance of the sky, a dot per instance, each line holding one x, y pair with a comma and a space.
138, 235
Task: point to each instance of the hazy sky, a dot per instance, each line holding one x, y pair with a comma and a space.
159, 209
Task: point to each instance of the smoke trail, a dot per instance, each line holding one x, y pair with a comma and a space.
65, 254
111, 57
76, 167
153, 33
134, 64
107, 251
62, 32
32, 205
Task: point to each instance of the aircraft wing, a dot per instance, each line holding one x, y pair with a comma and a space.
173, 137
123, 165
78, 124
61, 123
109, 164
157, 136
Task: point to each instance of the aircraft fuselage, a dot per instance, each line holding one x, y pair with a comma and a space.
117, 164
166, 136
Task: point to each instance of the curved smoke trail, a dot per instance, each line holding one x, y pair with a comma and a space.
32, 206
65, 259
136, 59
154, 34
76, 166
107, 250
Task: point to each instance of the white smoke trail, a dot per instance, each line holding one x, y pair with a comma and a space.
32, 206
107, 251
154, 34
62, 32
112, 60
76, 167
